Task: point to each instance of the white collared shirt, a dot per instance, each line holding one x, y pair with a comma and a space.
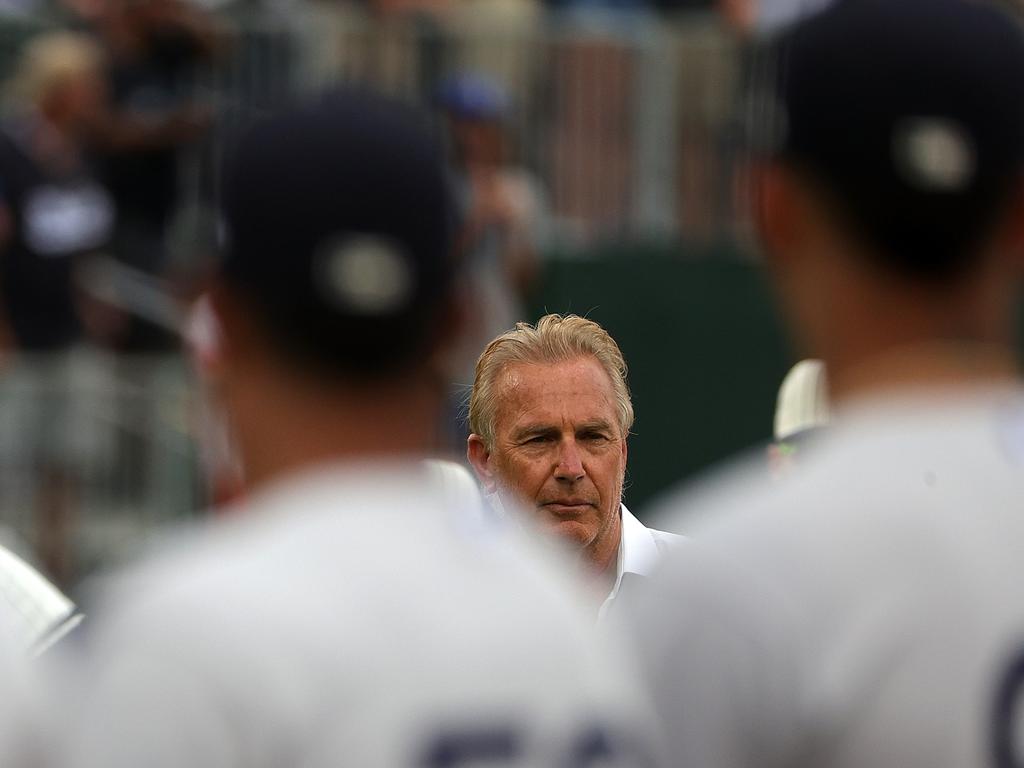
640, 549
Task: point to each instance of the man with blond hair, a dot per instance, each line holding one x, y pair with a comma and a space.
550, 415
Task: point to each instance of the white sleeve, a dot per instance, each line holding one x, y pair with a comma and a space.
721, 662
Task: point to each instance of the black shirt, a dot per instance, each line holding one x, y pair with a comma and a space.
56, 217
154, 84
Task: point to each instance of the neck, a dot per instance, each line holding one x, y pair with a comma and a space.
881, 332
601, 558
280, 431
939, 365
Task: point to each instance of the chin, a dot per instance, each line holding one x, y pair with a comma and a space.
575, 534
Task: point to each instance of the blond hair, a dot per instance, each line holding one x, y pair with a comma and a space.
554, 339
49, 61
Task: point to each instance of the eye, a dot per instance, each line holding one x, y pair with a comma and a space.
538, 440
595, 437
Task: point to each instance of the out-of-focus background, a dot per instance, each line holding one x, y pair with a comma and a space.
597, 147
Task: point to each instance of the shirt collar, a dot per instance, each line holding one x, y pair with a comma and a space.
638, 554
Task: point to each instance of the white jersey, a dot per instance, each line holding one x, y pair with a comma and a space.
349, 617
866, 610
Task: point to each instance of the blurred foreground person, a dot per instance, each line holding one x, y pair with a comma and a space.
352, 613
865, 609
34, 615
550, 414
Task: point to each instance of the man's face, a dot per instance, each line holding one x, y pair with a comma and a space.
558, 450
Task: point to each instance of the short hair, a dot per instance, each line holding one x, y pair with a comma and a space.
49, 61
554, 339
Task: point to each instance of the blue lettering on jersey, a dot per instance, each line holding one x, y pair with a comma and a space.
454, 749
504, 746
1008, 716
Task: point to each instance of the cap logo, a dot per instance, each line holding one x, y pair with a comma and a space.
934, 154
364, 274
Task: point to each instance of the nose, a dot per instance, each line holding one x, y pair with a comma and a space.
570, 465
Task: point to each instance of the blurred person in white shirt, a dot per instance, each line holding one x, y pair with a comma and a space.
864, 609
352, 613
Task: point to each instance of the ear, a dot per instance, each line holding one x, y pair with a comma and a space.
776, 213
480, 459
1012, 233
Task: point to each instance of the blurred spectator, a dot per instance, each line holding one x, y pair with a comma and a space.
154, 46
53, 217
52, 210
500, 38
503, 216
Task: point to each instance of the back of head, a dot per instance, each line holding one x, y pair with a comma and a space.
338, 228
909, 115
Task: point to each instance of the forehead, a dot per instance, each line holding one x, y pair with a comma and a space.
575, 391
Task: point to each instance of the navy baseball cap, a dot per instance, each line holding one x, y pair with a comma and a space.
473, 97
911, 113
339, 228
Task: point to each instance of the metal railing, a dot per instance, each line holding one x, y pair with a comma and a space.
631, 124
96, 453
632, 128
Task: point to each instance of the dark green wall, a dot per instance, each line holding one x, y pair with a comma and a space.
704, 346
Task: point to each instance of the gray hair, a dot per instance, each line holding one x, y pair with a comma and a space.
553, 339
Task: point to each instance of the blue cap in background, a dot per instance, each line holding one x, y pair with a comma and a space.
473, 97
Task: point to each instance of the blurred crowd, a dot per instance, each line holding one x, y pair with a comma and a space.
104, 116
97, 115
117, 117
571, 121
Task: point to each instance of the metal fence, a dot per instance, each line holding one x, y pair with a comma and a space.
631, 125
96, 454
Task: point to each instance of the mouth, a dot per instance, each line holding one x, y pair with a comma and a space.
567, 507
